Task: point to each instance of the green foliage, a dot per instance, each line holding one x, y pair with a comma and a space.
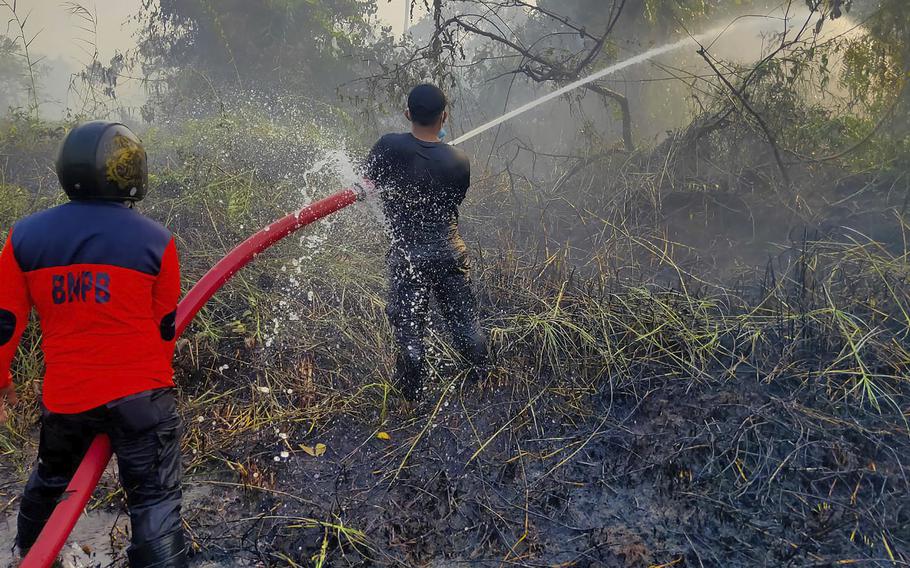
13, 205
878, 62
18, 22
872, 74
835, 8
304, 46
12, 74
661, 13
675, 11
837, 97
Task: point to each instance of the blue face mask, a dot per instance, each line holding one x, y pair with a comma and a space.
442, 134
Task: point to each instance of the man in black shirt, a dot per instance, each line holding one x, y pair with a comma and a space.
422, 181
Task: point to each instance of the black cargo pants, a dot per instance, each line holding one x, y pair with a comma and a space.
145, 434
411, 282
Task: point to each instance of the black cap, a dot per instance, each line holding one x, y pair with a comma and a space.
426, 102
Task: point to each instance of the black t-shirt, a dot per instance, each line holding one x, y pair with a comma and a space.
421, 186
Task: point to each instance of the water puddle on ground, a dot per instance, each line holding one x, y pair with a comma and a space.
99, 538
102, 535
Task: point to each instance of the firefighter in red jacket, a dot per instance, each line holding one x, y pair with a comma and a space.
105, 281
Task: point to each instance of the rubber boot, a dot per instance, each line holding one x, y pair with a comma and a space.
23, 552
475, 351
410, 373
33, 515
168, 551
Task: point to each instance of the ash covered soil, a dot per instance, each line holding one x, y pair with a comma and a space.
737, 472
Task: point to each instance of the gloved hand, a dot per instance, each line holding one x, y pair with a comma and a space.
7, 398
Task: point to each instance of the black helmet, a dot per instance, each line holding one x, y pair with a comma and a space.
104, 161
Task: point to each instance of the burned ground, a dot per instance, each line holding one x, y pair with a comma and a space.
738, 472
687, 374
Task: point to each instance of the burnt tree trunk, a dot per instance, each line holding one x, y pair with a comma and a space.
623, 103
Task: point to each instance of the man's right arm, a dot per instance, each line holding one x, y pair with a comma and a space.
15, 304
377, 164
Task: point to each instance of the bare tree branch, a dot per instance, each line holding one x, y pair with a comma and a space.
772, 140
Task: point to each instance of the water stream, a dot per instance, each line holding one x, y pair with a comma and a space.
641, 58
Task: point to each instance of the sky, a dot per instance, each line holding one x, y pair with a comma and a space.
59, 33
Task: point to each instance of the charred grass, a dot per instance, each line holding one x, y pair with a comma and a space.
650, 406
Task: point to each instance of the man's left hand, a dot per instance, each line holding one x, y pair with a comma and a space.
365, 189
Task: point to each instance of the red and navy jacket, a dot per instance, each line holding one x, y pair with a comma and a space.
105, 281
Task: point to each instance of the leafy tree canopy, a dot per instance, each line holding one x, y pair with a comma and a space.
307, 46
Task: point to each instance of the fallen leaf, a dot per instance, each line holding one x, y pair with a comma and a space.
383, 436
314, 451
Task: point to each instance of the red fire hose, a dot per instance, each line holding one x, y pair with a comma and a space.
79, 490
